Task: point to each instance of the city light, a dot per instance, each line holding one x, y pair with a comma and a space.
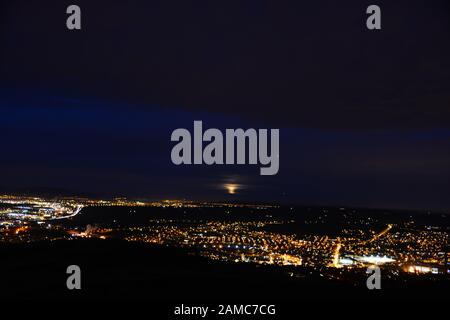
248, 237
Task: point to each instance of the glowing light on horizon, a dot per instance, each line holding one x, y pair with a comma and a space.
231, 188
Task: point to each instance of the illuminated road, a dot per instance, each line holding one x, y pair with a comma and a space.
75, 212
336, 255
337, 250
382, 233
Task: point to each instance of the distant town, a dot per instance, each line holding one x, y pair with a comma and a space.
333, 242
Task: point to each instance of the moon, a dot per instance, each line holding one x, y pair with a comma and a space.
231, 188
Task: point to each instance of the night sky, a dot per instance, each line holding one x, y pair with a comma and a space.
364, 116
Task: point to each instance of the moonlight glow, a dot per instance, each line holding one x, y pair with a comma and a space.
231, 188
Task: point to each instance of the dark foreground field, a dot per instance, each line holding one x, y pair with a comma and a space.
121, 270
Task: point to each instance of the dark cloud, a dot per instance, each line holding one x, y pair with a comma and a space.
364, 116
306, 63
